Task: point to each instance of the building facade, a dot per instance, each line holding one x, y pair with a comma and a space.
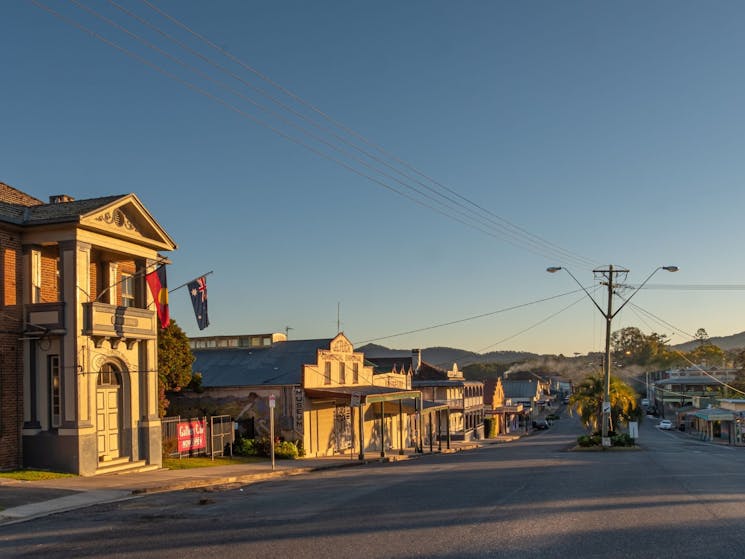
327, 398
79, 354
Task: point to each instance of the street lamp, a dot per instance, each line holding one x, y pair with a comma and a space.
608, 274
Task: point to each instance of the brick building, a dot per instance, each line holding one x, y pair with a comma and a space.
78, 355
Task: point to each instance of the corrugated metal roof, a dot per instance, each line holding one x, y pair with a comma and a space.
422, 383
279, 364
388, 364
519, 388
715, 414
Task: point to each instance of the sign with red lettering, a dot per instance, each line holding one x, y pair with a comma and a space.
191, 435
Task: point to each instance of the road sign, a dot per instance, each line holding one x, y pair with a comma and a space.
356, 400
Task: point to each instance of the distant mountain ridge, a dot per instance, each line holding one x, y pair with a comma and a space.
727, 343
446, 356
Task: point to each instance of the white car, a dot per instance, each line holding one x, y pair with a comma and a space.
665, 424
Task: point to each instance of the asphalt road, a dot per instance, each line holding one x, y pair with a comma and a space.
531, 498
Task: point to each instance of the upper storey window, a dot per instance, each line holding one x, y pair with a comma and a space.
128, 290
35, 276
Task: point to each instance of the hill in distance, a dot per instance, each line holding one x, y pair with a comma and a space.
727, 343
446, 356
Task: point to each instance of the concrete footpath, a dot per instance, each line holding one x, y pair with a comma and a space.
25, 500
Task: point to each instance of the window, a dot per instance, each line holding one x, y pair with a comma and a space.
108, 376
327, 373
35, 276
355, 373
54, 391
128, 290
342, 373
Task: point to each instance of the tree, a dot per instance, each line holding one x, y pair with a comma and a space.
632, 347
707, 354
587, 401
701, 336
174, 363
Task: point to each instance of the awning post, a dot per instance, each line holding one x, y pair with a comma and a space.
362, 431
400, 426
382, 431
447, 418
439, 430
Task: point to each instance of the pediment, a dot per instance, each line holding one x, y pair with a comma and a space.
126, 218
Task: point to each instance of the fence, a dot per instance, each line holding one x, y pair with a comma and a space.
196, 436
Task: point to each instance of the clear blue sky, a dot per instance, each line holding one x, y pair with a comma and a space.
611, 130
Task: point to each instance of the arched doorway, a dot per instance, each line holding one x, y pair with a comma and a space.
108, 413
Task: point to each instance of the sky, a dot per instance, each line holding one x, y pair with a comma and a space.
403, 171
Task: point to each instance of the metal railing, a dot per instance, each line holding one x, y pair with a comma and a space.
219, 434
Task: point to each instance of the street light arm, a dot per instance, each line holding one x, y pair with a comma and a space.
557, 268
649, 277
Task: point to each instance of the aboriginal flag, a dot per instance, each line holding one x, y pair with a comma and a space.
159, 288
198, 292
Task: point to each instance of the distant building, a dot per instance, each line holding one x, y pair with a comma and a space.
507, 417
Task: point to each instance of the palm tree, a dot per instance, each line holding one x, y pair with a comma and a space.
588, 401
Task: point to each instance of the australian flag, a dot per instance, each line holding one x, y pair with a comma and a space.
198, 292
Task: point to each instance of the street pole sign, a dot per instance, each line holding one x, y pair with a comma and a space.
272, 405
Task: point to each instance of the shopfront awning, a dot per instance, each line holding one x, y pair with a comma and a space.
715, 414
363, 394
376, 394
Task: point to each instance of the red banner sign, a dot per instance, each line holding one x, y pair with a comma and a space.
191, 435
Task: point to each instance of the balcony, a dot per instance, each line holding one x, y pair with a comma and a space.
118, 324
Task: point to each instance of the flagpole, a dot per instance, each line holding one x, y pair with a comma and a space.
188, 282
183, 285
143, 272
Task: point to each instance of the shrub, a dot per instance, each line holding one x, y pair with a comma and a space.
245, 447
584, 440
300, 448
286, 449
622, 440
263, 447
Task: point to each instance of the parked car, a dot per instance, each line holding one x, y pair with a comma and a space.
540, 425
665, 424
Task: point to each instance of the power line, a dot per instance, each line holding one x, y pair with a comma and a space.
535, 325
503, 225
487, 222
572, 256
695, 287
467, 319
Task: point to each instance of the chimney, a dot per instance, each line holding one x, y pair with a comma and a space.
60, 198
416, 360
